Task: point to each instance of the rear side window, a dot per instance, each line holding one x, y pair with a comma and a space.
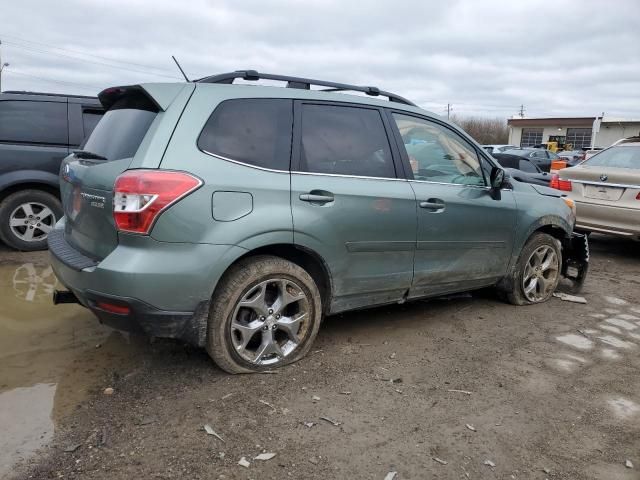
33, 122
90, 119
507, 162
345, 141
527, 166
122, 128
253, 131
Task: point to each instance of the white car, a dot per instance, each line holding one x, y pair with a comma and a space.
497, 148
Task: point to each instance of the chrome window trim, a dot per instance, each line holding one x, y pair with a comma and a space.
238, 162
340, 175
221, 157
603, 184
481, 187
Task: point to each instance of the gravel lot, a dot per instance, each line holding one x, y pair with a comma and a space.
464, 387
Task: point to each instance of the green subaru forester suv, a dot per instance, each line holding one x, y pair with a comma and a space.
236, 216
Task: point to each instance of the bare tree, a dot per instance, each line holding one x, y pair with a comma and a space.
485, 131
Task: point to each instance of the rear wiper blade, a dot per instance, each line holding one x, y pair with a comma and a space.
88, 155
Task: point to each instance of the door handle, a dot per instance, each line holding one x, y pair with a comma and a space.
314, 198
433, 204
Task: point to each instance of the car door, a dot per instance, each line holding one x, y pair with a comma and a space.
33, 136
350, 203
465, 234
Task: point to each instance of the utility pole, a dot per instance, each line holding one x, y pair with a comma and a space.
449, 110
2, 66
521, 112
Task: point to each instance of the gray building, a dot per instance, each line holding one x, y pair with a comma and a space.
579, 131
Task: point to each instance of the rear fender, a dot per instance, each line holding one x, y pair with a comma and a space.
18, 177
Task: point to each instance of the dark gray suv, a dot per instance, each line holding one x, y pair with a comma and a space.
37, 131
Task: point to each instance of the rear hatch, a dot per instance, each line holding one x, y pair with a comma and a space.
612, 177
88, 175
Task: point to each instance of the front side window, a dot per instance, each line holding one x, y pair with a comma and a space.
24, 121
437, 154
249, 130
345, 141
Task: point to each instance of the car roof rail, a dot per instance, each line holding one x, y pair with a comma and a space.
26, 92
302, 83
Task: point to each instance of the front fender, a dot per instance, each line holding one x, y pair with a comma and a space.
547, 221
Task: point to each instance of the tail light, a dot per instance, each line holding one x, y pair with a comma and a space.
559, 184
113, 308
140, 196
638, 196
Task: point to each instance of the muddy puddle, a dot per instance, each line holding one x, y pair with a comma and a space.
51, 357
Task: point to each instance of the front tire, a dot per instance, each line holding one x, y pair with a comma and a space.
27, 217
537, 272
265, 313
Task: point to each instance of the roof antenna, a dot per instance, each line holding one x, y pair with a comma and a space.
181, 71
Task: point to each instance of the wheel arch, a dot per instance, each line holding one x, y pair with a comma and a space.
553, 225
304, 257
29, 185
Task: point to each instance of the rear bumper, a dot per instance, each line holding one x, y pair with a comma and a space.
144, 318
164, 288
608, 219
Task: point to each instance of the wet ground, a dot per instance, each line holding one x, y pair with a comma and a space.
467, 387
48, 362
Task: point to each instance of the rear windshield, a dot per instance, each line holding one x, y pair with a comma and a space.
619, 157
120, 131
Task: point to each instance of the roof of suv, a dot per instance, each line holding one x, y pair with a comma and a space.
43, 96
629, 141
302, 84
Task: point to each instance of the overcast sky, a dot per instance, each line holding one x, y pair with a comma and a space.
486, 57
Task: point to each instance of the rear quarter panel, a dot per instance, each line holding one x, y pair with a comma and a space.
268, 218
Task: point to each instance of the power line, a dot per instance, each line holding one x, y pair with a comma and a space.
45, 52
49, 46
75, 84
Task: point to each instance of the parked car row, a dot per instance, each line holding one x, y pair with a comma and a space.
36, 132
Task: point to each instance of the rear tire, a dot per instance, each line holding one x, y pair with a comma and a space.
265, 313
26, 217
537, 272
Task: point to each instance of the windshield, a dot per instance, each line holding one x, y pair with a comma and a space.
618, 157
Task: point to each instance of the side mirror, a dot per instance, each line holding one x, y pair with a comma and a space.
497, 178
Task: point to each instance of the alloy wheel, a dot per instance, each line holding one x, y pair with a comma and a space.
270, 321
540, 273
32, 221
